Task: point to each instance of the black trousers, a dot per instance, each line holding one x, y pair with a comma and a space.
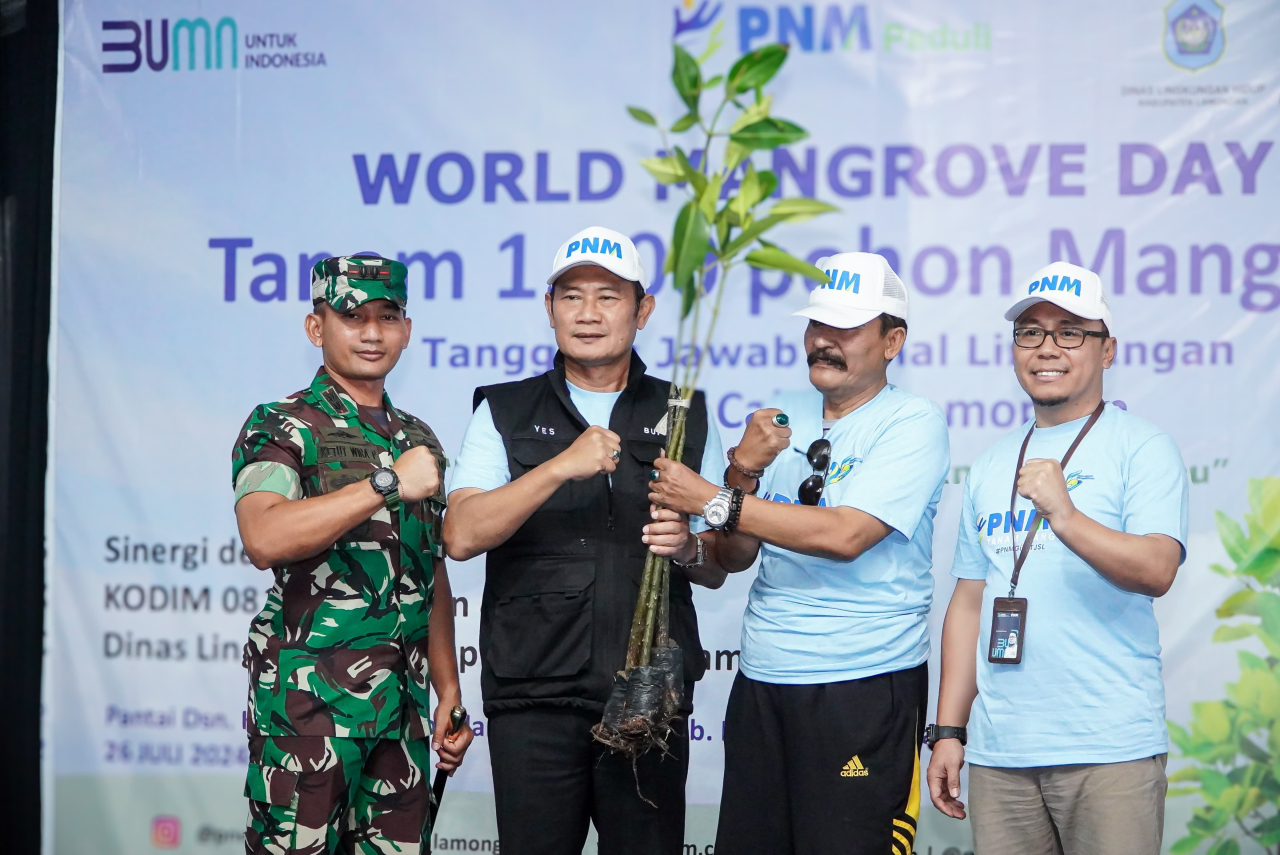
550, 779
825, 768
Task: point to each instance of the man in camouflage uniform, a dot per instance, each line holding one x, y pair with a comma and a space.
340, 494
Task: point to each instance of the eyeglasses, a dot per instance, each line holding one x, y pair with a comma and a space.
819, 455
1068, 338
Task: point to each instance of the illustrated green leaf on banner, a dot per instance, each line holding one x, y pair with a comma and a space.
1232, 746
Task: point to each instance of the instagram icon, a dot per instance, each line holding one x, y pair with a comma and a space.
166, 832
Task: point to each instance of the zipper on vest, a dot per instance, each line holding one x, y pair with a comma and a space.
608, 482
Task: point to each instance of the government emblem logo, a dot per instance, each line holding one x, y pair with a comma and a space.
1194, 37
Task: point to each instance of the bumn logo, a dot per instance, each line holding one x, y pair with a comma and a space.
157, 36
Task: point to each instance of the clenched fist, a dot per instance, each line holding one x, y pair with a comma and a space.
591, 453
762, 441
680, 488
419, 474
1042, 482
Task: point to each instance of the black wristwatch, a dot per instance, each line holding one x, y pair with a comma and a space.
934, 732
386, 483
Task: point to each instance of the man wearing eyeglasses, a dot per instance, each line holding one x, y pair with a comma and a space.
1070, 526
837, 493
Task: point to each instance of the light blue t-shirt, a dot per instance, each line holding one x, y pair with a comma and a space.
1088, 689
482, 462
817, 620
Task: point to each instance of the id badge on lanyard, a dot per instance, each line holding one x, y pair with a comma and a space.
1009, 614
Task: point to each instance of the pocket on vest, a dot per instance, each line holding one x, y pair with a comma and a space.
541, 624
532, 453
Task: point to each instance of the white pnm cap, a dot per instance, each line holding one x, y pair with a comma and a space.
863, 286
602, 247
1067, 286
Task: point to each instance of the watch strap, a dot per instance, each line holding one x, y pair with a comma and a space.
699, 557
934, 732
392, 499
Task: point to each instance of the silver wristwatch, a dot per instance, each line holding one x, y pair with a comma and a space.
716, 511
699, 556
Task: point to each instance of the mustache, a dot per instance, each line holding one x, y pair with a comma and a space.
829, 356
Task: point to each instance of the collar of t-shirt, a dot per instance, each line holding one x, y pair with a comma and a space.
596, 407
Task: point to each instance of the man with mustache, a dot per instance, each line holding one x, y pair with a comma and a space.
1082, 514
836, 492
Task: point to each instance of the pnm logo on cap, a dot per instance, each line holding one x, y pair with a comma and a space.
1194, 37
594, 245
1054, 283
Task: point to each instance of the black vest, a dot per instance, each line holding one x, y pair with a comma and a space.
560, 594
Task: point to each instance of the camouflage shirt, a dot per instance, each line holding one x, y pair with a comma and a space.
340, 647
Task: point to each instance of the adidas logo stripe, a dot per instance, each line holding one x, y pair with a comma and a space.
854, 769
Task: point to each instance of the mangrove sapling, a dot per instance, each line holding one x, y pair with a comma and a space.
709, 237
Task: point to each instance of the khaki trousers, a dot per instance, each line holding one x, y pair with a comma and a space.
1091, 809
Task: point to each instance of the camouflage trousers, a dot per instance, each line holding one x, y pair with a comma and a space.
316, 795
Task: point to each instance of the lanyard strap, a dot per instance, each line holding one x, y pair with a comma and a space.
1020, 557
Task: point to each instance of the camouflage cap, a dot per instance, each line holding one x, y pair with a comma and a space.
353, 280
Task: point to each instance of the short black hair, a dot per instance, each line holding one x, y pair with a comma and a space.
891, 322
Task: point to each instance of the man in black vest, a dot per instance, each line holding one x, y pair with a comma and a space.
552, 482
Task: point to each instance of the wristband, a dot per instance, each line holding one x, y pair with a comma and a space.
753, 491
733, 461
735, 509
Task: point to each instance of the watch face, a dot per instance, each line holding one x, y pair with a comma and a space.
384, 479
717, 513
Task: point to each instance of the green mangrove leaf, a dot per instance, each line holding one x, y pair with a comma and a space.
684, 123
749, 234
694, 245
801, 208
665, 170
691, 174
772, 258
710, 196
755, 69
642, 116
768, 134
768, 182
687, 78
752, 114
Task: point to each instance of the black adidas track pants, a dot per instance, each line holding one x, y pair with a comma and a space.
823, 768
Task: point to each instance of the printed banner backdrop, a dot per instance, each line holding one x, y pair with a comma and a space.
211, 151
